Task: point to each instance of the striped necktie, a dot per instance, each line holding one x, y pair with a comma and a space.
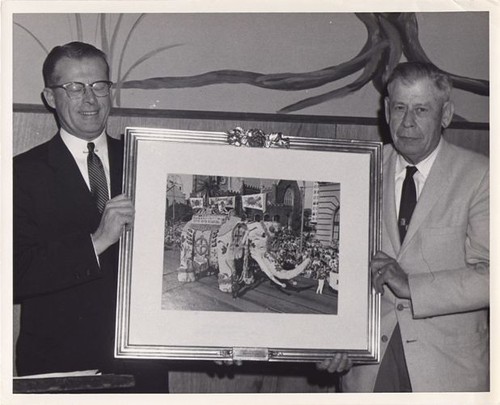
97, 178
408, 201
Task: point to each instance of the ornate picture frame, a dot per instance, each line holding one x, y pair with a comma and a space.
210, 277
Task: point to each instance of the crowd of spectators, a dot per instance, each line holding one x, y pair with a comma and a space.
290, 250
173, 235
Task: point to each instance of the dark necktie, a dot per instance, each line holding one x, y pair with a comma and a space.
408, 201
97, 178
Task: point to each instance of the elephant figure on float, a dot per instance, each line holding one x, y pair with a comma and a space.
211, 248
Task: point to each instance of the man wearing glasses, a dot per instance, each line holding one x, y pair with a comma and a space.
68, 217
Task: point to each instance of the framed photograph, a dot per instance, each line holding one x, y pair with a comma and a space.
249, 246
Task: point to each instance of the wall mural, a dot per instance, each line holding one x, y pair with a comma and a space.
389, 37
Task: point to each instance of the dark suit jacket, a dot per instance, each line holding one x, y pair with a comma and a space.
68, 299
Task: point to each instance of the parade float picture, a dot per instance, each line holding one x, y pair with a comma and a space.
251, 244
238, 236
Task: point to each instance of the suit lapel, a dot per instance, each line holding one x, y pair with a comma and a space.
115, 154
389, 202
68, 175
435, 186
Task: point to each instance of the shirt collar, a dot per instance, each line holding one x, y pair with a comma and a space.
424, 167
77, 145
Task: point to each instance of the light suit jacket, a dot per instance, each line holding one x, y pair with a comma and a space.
444, 327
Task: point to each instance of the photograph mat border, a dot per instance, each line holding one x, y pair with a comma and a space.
156, 152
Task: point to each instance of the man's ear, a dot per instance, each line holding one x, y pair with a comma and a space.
387, 109
48, 94
447, 113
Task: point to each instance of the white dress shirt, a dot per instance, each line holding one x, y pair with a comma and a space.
79, 151
424, 167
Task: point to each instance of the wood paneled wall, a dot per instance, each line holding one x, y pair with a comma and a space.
34, 125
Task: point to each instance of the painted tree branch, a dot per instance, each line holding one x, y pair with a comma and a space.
389, 36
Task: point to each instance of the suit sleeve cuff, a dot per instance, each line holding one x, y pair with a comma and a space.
95, 251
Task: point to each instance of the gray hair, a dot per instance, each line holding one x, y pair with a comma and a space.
409, 72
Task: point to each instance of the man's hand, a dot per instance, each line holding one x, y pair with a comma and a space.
386, 270
336, 364
118, 213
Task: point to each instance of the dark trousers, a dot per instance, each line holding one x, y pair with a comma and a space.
393, 372
151, 376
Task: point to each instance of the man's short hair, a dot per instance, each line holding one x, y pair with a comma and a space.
409, 72
71, 50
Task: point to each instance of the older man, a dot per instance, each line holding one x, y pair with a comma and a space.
68, 216
433, 270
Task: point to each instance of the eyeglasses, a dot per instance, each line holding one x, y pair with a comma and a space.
77, 89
